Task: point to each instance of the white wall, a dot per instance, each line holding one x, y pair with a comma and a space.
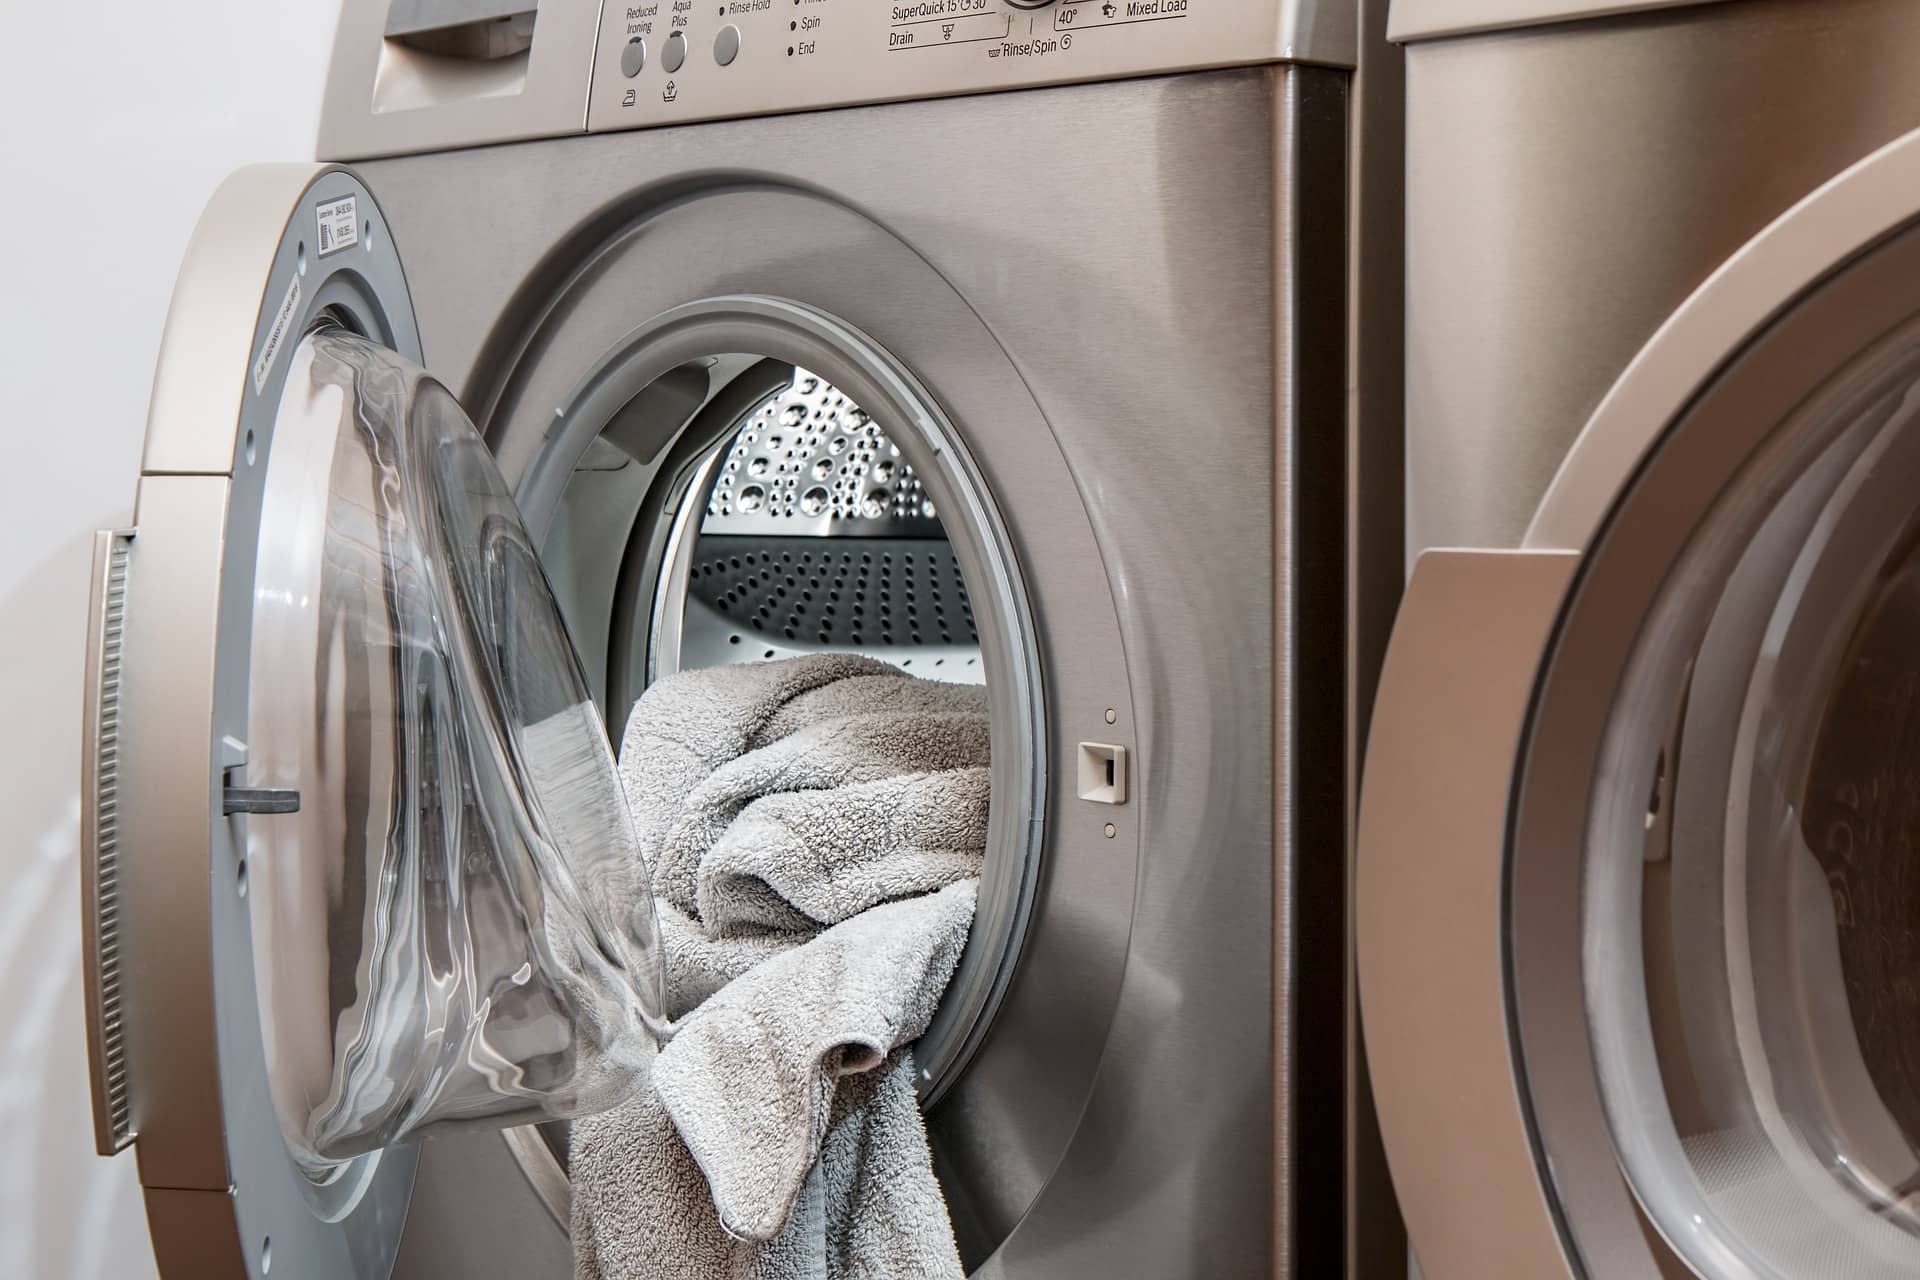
115, 124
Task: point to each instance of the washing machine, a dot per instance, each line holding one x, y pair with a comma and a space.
1010, 342
1636, 849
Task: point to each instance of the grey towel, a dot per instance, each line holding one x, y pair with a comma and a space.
836, 779
866, 1185
782, 1138
813, 829
750, 1079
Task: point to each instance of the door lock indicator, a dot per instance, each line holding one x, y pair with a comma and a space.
1103, 773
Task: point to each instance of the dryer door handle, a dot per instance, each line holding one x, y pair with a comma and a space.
1454, 692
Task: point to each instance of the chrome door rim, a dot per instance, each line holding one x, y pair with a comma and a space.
807, 337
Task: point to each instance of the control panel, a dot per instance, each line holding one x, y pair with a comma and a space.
663, 61
421, 75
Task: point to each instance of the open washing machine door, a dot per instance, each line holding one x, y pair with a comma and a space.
1637, 902
357, 863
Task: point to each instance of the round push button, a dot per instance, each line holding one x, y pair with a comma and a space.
726, 45
633, 57
675, 52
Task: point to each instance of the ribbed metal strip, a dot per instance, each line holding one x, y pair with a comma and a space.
112, 1063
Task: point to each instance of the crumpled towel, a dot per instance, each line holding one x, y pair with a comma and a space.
813, 829
702, 746
750, 1081
742, 779
770, 1148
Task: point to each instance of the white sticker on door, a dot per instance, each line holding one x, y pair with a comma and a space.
339, 224
276, 336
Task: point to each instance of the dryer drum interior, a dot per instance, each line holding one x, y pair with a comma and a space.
738, 507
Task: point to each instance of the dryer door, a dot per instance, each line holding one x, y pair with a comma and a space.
357, 862
1639, 882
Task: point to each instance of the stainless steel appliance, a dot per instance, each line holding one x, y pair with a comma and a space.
1054, 382
1636, 840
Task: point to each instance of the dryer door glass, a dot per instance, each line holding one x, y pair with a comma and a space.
1751, 891
455, 924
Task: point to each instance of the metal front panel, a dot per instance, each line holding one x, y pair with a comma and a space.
1568, 187
1075, 367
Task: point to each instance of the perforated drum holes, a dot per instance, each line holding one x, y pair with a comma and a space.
809, 460
817, 535
892, 592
